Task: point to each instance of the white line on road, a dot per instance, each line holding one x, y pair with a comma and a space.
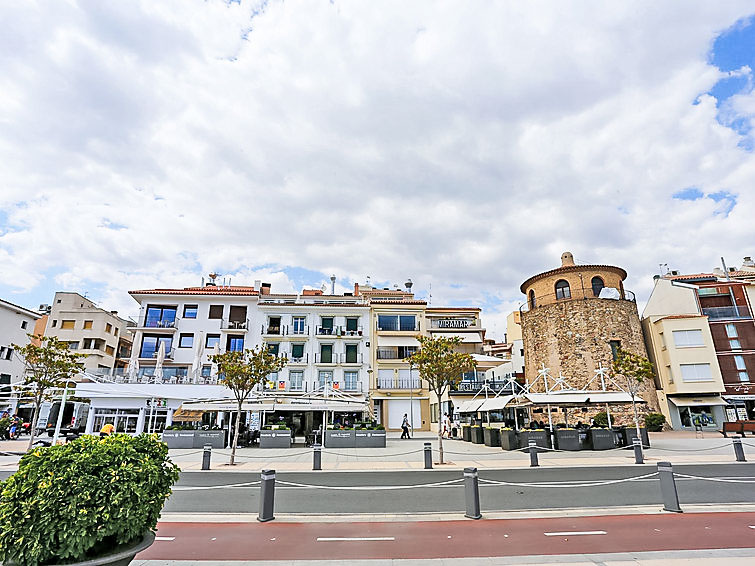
574, 533
751, 526
165, 538
349, 539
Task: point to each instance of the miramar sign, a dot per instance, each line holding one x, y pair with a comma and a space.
454, 323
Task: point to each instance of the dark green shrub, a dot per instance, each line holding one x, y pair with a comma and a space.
654, 422
601, 419
5, 428
71, 502
379, 427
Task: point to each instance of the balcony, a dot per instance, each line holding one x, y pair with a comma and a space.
234, 325
355, 333
297, 330
273, 331
727, 313
169, 324
326, 331
327, 359
478, 385
351, 359
395, 353
152, 354
298, 360
396, 328
283, 385
353, 387
400, 384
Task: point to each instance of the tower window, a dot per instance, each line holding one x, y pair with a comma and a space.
597, 286
562, 289
532, 299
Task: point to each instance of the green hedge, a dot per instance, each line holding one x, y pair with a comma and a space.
654, 422
72, 502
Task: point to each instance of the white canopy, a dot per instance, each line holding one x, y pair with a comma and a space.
712, 400
581, 397
488, 359
496, 403
397, 341
466, 337
256, 405
471, 406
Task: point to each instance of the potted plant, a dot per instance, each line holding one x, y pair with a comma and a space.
90, 500
491, 436
478, 436
508, 439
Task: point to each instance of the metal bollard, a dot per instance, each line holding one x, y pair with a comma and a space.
206, 455
638, 457
267, 496
317, 457
472, 493
739, 452
533, 454
428, 456
668, 488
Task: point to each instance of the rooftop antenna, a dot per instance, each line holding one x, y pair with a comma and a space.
333, 284
409, 285
430, 301
723, 263
367, 283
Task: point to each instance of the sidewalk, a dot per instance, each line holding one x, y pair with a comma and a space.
399, 455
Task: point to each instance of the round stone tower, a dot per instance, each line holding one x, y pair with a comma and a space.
575, 319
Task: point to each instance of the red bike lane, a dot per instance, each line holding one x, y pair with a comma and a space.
451, 539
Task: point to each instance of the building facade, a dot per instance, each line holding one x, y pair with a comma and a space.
575, 320
16, 323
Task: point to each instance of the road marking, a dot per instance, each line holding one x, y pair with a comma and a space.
349, 539
574, 533
165, 538
752, 526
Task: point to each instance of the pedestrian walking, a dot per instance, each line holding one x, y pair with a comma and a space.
405, 427
445, 431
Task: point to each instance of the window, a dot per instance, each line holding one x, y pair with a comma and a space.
385, 378
186, 341
597, 286
216, 312
68, 324
297, 351
351, 380
273, 348
296, 380
212, 340
735, 344
351, 353
235, 344
405, 323
532, 299
151, 345
731, 331
8, 352
299, 325
274, 325
206, 371
109, 350
326, 353
352, 324
743, 376
159, 316
24, 324
695, 372
615, 347
688, 338
73, 345
326, 325
739, 361
324, 377
116, 332
670, 374
562, 289
54, 323
190, 311
108, 328
88, 324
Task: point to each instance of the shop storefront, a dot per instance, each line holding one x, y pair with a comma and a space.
706, 411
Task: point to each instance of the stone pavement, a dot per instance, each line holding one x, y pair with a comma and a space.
676, 447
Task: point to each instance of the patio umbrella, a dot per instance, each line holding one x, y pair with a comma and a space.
215, 352
196, 365
160, 360
133, 364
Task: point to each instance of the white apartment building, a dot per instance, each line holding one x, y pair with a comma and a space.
15, 324
101, 335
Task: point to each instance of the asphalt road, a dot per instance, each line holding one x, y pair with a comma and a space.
449, 498
451, 539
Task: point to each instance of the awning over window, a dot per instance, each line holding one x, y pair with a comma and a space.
466, 337
397, 341
496, 404
470, 406
187, 415
713, 400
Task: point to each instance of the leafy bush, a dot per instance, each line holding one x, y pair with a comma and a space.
654, 422
601, 419
5, 428
75, 501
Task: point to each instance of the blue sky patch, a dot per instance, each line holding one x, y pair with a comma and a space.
690, 193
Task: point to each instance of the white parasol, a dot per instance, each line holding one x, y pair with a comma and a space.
196, 365
160, 360
215, 352
133, 364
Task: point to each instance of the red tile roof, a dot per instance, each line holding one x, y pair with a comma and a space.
207, 290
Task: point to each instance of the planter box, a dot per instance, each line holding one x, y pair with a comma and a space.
601, 439
215, 438
630, 433
539, 436
466, 433
121, 555
340, 439
179, 438
275, 439
478, 436
492, 437
567, 439
370, 438
509, 440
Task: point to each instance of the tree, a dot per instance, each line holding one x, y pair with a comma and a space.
49, 365
241, 372
441, 367
632, 370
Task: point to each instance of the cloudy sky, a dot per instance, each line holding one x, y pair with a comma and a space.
464, 145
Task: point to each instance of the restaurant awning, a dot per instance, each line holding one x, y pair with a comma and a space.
471, 406
496, 403
466, 337
580, 398
187, 415
269, 407
713, 400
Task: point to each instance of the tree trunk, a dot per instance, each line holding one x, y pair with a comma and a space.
33, 428
636, 418
440, 429
235, 436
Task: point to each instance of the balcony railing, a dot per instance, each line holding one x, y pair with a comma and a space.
152, 355
326, 359
326, 331
397, 328
169, 324
234, 324
478, 385
389, 354
303, 359
276, 330
411, 383
347, 333
727, 313
357, 358
297, 330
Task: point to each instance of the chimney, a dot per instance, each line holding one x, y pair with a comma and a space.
567, 259
356, 289
257, 284
333, 284
114, 313
265, 289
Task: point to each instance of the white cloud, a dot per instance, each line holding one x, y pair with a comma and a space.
144, 144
